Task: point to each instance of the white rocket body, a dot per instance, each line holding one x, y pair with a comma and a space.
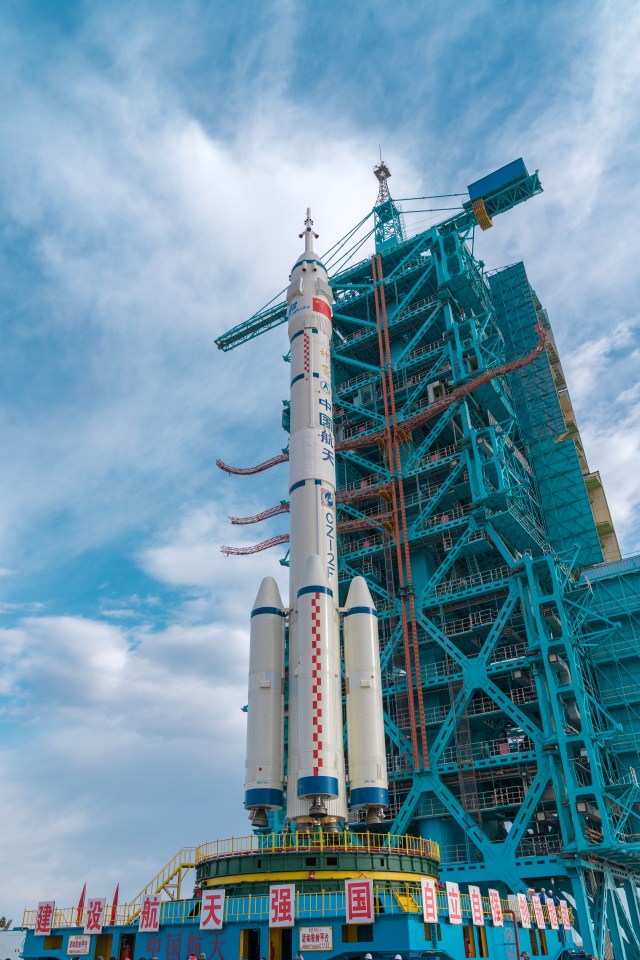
316, 782
315, 753
368, 785
264, 763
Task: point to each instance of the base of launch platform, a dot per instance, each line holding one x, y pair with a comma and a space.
339, 896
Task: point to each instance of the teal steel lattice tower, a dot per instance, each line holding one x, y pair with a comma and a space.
510, 650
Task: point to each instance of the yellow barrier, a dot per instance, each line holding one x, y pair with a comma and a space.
294, 842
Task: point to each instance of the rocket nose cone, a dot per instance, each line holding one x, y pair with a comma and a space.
268, 595
314, 573
359, 594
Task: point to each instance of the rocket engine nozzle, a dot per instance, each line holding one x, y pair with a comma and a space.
318, 807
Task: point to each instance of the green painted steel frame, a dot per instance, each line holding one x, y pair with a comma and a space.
539, 592
508, 634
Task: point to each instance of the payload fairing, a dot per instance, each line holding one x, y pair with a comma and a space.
316, 786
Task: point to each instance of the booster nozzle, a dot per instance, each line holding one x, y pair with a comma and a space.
258, 817
308, 233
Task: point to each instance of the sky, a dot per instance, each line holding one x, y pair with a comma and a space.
156, 161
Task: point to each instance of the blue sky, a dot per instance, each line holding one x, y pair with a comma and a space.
156, 161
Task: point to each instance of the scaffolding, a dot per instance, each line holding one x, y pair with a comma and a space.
510, 662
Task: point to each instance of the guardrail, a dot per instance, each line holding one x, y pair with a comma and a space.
294, 842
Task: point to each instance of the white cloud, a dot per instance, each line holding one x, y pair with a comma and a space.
120, 731
189, 555
152, 237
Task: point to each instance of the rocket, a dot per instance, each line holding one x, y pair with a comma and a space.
306, 660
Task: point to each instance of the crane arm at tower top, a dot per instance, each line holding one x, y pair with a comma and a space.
498, 192
494, 194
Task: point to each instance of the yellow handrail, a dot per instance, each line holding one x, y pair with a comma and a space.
347, 841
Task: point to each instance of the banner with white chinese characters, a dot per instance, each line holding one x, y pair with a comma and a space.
475, 900
359, 901
150, 914
44, 918
282, 905
453, 900
78, 946
429, 900
212, 912
316, 938
94, 916
496, 908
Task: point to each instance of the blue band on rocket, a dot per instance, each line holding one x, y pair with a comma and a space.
318, 786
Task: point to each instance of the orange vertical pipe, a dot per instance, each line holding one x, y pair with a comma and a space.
394, 511
403, 519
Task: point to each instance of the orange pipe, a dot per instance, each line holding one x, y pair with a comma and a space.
394, 514
405, 532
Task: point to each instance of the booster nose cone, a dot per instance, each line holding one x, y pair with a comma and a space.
268, 596
359, 595
313, 576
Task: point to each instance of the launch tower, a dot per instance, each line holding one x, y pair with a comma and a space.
508, 622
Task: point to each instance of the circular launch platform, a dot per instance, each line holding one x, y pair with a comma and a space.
316, 860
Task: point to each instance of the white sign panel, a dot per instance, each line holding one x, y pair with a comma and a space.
523, 906
150, 914
316, 938
429, 900
281, 905
94, 917
212, 912
496, 908
453, 899
359, 901
78, 946
553, 915
475, 899
538, 912
44, 918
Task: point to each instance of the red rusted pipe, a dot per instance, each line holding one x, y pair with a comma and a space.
515, 930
